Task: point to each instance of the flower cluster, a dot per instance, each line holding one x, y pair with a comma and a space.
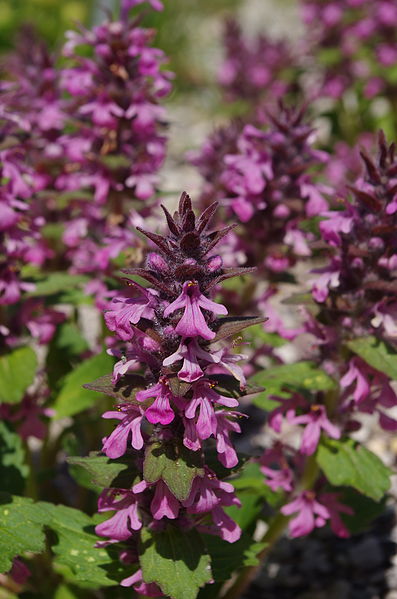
115, 146
355, 312
356, 289
265, 180
357, 40
169, 329
256, 69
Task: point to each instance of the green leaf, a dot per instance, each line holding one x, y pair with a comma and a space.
17, 372
73, 398
104, 472
57, 282
13, 470
64, 592
228, 385
227, 558
287, 378
65, 349
21, 531
20, 528
75, 547
376, 353
365, 510
124, 390
345, 463
258, 333
176, 561
231, 325
175, 465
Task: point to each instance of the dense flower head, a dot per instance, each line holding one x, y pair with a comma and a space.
263, 176
362, 246
168, 329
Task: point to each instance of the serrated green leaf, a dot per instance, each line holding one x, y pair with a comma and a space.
17, 372
13, 470
104, 472
75, 547
176, 561
21, 523
376, 353
175, 465
346, 463
57, 282
282, 380
73, 398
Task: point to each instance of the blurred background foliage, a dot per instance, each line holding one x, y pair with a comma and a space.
181, 28
50, 17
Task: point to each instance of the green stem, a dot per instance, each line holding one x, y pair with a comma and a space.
272, 535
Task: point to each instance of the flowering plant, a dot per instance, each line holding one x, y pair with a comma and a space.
123, 467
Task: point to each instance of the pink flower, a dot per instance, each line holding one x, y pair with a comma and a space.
160, 411
164, 504
279, 477
334, 507
131, 416
126, 519
126, 310
141, 587
316, 420
203, 399
329, 279
189, 352
356, 375
311, 514
192, 323
207, 492
227, 529
224, 426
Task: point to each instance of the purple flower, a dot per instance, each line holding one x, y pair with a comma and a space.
207, 492
193, 323
190, 352
334, 507
160, 410
316, 420
126, 519
131, 417
204, 398
227, 529
329, 279
280, 476
311, 514
356, 374
127, 310
224, 426
141, 587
